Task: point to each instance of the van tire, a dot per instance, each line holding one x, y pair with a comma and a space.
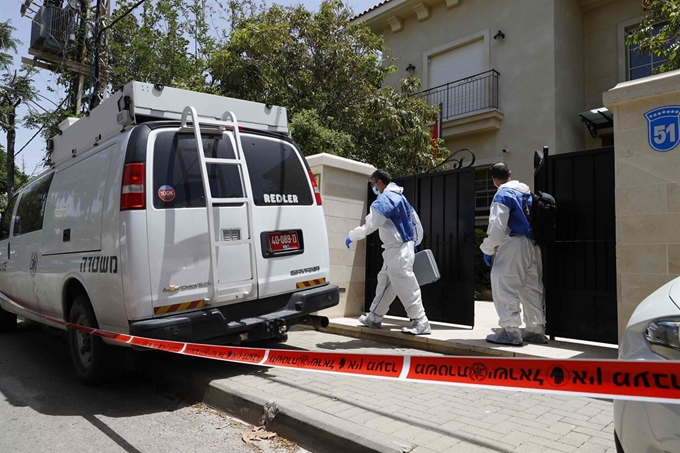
8, 321
94, 361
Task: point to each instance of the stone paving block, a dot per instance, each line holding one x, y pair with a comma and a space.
537, 410
551, 417
565, 448
609, 428
570, 415
452, 427
576, 403
594, 432
590, 448
426, 438
594, 440
515, 438
589, 410
377, 421
444, 444
561, 428
495, 419
485, 434
584, 424
602, 419
474, 422
575, 439
421, 449
392, 426
530, 447
539, 433
350, 413
507, 427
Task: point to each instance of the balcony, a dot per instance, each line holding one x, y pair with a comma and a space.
468, 105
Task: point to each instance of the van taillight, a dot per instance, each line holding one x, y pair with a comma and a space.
317, 194
132, 190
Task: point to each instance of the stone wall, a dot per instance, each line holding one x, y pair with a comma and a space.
647, 189
344, 187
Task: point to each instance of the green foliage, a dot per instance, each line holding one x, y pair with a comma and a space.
154, 46
311, 134
7, 43
322, 62
664, 44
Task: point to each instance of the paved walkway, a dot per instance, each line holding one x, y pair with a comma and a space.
329, 413
449, 339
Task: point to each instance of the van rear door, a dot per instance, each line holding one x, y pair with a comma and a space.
288, 219
177, 228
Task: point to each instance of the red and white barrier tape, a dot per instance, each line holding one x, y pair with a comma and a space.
657, 381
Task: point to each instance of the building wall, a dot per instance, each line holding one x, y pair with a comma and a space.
556, 60
605, 52
647, 192
525, 60
569, 67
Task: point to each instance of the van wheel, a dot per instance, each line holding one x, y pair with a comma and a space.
94, 361
8, 321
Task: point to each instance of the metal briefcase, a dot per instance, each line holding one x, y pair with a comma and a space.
425, 267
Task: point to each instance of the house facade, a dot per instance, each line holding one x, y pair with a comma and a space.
512, 76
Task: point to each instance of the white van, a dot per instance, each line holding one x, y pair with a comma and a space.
168, 214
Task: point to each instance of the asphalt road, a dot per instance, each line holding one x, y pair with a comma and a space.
43, 408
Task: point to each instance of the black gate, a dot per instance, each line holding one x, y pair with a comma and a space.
580, 267
445, 202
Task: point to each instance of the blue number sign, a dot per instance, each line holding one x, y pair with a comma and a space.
664, 127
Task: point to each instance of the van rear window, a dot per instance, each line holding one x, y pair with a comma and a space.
276, 172
177, 174
277, 175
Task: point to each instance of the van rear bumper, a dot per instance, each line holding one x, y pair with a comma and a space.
219, 325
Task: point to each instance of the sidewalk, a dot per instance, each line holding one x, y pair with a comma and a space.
337, 413
461, 340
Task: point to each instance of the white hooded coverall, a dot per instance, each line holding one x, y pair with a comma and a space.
400, 230
516, 275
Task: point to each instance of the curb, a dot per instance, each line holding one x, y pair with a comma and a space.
310, 428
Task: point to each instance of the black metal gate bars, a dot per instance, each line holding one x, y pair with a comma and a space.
580, 267
445, 202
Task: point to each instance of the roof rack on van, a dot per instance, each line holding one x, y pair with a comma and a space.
138, 102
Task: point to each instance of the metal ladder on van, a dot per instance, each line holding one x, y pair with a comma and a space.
237, 289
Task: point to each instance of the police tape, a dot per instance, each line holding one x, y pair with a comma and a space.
657, 381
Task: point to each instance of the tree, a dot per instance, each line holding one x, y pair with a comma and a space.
154, 46
16, 87
663, 43
328, 71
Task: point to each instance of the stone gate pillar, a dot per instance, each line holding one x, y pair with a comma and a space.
647, 166
344, 185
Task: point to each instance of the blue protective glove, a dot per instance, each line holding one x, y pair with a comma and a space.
487, 260
348, 241
415, 248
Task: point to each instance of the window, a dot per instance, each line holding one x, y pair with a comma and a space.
276, 173
31, 210
484, 192
458, 65
177, 169
643, 65
7, 218
275, 169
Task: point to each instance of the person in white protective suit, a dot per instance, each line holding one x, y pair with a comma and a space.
516, 275
400, 231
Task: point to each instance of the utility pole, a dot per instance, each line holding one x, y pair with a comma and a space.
65, 39
11, 101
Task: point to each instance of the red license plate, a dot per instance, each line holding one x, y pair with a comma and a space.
284, 241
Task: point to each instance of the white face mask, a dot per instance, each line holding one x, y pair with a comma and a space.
376, 191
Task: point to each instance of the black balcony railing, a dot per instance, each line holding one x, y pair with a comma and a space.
477, 92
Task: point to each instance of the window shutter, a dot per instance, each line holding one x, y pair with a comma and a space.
457, 64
